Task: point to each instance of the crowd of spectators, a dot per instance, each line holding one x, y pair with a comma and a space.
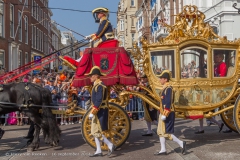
59, 84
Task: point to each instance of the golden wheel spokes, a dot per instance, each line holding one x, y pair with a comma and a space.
119, 127
227, 116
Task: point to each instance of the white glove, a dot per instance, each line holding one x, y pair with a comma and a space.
163, 117
90, 116
88, 37
90, 40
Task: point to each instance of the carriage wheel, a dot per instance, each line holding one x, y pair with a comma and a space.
227, 117
119, 123
236, 114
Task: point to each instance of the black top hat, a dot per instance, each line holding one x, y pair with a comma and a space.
166, 74
95, 70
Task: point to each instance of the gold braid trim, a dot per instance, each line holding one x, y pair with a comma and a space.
103, 30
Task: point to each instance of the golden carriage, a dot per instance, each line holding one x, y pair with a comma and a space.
189, 52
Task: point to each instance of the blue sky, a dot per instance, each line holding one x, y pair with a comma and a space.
81, 22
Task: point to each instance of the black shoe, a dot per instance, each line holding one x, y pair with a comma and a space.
148, 134
162, 153
227, 131
184, 147
199, 132
28, 137
96, 155
110, 151
221, 127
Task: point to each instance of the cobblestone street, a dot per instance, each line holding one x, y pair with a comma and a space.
210, 145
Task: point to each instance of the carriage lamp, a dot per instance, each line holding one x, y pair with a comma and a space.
235, 6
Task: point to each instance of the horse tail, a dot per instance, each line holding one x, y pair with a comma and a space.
53, 131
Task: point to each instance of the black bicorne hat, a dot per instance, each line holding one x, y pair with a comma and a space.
100, 10
166, 74
95, 70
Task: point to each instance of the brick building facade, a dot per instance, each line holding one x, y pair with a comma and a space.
25, 31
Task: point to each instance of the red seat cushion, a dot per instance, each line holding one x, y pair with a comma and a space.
108, 43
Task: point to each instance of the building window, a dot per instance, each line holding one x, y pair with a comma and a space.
153, 2
26, 57
121, 25
26, 3
42, 17
26, 29
45, 21
41, 40
32, 7
11, 20
2, 59
1, 19
19, 58
132, 3
37, 38
133, 37
34, 37
37, 7
19, 26
140, 22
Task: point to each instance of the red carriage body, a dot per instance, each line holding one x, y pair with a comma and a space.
113, 61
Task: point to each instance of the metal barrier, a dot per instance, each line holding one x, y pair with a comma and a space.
60, 106
135, 108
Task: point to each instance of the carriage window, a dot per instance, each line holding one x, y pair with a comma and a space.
163, 60
194, 63
224, 62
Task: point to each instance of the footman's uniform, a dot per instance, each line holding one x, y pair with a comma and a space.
166, 128
100, 103
99, 112
167, 116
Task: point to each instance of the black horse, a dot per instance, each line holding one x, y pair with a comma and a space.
22, 97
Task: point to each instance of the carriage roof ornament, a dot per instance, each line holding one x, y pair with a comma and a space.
235, 6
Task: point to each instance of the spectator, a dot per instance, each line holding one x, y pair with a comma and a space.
85, 96
12, 120
113, 94
64, 101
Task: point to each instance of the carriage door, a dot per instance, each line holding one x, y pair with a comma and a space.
193, 73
